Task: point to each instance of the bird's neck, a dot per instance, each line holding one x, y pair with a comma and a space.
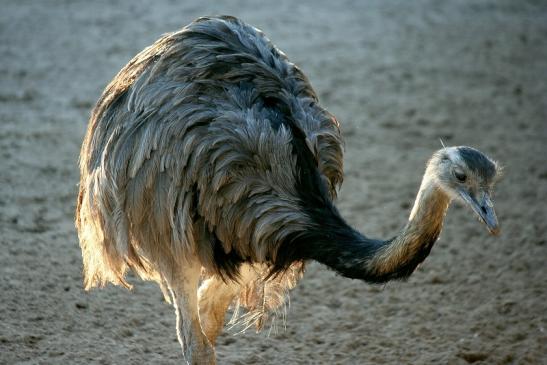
399, 256
354, 255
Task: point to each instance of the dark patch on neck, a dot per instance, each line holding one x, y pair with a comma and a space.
328, 239
478, 162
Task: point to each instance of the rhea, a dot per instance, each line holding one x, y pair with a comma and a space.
210, 167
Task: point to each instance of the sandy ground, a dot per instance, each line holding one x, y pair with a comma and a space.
399, 75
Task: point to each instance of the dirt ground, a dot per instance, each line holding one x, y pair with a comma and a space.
398, 75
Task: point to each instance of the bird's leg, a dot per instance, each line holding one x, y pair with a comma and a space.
215, 296
196, 348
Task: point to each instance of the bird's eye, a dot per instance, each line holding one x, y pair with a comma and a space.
460, 175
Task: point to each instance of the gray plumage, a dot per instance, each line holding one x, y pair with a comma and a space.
180, 147
208, 159
182, 129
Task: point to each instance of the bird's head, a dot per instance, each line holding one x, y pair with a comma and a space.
468, 175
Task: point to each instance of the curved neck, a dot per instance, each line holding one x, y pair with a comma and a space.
429, 207
399, 256
337, 245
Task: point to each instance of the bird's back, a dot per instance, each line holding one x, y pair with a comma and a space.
194, 148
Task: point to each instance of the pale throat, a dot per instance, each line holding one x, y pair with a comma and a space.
429, 208
423, 227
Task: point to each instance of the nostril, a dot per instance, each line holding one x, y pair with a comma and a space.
483, 210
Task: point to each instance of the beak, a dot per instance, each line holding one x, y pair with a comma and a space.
484, 209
